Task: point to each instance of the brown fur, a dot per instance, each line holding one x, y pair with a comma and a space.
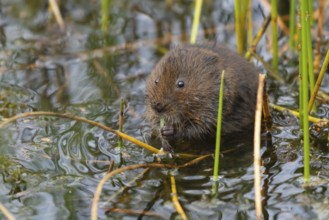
190, 112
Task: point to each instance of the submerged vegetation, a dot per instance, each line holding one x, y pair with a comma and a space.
299, 41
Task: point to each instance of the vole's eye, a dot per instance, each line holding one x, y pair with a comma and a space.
180, 84
156, 81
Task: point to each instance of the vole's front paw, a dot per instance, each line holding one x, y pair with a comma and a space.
167, 132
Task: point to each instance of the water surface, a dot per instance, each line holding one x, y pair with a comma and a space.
50, 166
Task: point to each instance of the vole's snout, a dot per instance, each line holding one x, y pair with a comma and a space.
159, 107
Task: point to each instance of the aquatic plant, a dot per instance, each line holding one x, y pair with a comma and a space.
196, 20
218, 134
305, 41
292, 24
105, 15
274, 26
240, 18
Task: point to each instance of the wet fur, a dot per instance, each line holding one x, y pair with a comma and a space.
192, 110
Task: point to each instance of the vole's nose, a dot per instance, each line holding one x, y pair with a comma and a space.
159, 107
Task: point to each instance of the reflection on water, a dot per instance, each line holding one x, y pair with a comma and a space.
50, 166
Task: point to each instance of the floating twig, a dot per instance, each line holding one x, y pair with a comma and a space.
295, 113
257, 135
94, 123
6, 213
135, 212
131, 167
127, 185
174, 198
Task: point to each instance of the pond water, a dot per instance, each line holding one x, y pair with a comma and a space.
50, 166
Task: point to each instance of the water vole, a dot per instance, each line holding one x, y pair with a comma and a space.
182, 90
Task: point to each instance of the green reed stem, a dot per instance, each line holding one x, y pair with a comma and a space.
300, 98
318, 81
310, 54
274, 24
105, 15
239, 42
249, 14
300, 73
310, 10
196, 20
304, 81
218, 134
240, 15
292, 24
